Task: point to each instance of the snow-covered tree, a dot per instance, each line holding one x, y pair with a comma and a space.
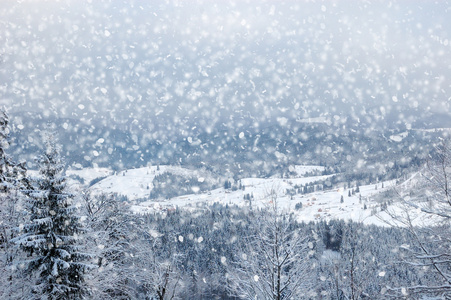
275, 261
112, 235
12, 180
132, 263
427, 216
51, 238
158, 272
348, 264
6, 180
5, 161
12, 174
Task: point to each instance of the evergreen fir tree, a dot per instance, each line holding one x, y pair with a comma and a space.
12, 180
51, 236
11, 173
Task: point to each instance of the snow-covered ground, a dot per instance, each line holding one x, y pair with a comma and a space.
323, 205
399, 137
320, 205
137, 183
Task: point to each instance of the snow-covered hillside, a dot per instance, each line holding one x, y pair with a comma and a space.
364, 205
88, 174
137, 183
322, 205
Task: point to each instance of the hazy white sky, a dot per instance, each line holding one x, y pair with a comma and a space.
207, 62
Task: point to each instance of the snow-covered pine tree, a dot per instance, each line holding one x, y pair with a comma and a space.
12, 177
5, 161
51, 236
10, 172
6, 181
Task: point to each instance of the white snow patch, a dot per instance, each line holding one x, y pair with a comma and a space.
399, 137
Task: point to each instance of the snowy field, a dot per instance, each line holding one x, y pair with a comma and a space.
323, 205
320, 205
136, 184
